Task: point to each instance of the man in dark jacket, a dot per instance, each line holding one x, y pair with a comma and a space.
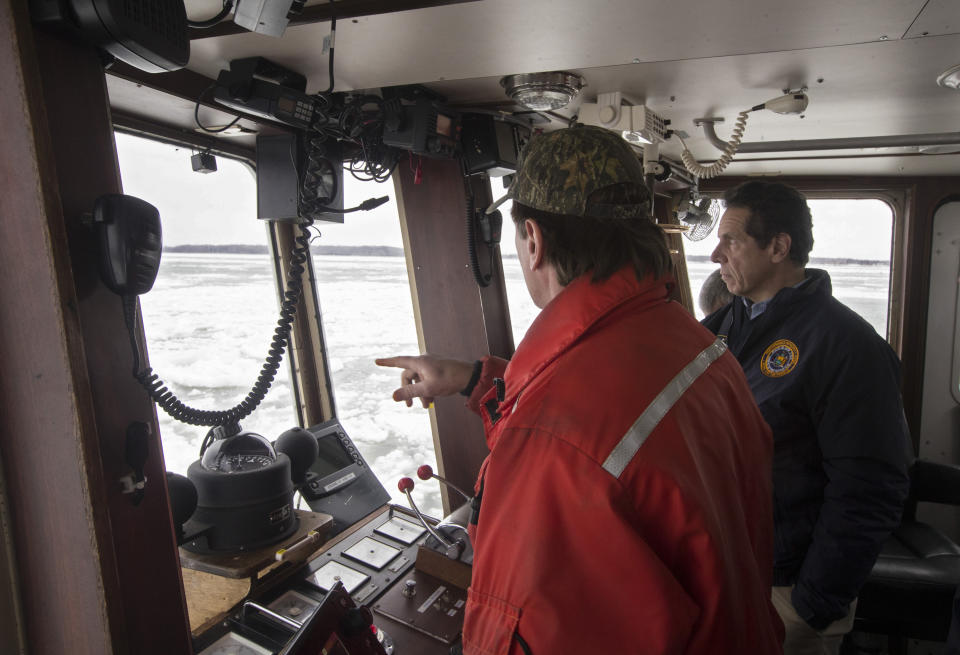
828, 385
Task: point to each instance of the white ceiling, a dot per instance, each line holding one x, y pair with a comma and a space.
870, 65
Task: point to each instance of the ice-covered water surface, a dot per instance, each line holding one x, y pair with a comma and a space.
209, 320
864, 288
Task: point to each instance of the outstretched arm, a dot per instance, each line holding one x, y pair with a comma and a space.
427, 377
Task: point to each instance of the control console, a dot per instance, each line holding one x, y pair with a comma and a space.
416, 608
405, 575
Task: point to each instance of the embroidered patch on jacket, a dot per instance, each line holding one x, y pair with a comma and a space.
779, 358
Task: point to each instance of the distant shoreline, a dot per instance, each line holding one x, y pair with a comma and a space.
243, 249
391, 251
815, 261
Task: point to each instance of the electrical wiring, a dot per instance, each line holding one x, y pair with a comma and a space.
356, 122
196, 115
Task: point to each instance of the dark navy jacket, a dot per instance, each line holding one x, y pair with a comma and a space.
828, 385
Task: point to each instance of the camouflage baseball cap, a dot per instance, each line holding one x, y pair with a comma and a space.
561, 172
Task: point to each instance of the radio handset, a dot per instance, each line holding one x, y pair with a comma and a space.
130, 238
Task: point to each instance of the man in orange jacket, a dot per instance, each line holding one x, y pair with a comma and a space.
625, 506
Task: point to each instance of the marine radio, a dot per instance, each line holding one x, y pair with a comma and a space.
423, 128
258, 86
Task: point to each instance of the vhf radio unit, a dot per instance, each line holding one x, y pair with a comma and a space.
258, 86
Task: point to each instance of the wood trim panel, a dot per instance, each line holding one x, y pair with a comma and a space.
454, 319
179, 137
44, 398
98, 574
183, 83
927, 195
307, 349
12, 637
493, 298
675, 242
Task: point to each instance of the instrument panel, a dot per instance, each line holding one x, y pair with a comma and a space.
375, 562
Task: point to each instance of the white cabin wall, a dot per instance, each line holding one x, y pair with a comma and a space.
939, 440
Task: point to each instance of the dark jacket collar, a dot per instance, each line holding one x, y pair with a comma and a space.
734, 321
817, 283
733, 318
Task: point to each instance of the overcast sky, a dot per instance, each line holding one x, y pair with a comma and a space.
220, 208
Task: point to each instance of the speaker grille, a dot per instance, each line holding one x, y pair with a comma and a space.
165, 18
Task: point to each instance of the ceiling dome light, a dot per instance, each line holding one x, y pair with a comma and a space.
543, 91
950, 78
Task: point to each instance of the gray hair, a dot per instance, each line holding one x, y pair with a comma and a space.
714, 293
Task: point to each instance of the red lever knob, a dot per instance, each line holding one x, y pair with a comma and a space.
425, 472
405, 484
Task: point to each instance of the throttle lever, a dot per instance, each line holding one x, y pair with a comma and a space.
453, 549
425, 473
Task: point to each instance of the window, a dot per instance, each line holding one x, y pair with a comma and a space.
211, 313
364, 293
852, 241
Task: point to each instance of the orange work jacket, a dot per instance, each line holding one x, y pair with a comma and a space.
625, 507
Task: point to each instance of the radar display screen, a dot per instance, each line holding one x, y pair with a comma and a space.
333, 456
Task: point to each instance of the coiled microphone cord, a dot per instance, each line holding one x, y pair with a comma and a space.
168, 401
717, 167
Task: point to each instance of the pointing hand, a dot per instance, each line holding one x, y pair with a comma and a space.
427, 377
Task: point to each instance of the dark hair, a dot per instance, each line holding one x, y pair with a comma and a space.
775, 208
576, 245
714, 294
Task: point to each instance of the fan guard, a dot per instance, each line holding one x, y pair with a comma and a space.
701, 216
